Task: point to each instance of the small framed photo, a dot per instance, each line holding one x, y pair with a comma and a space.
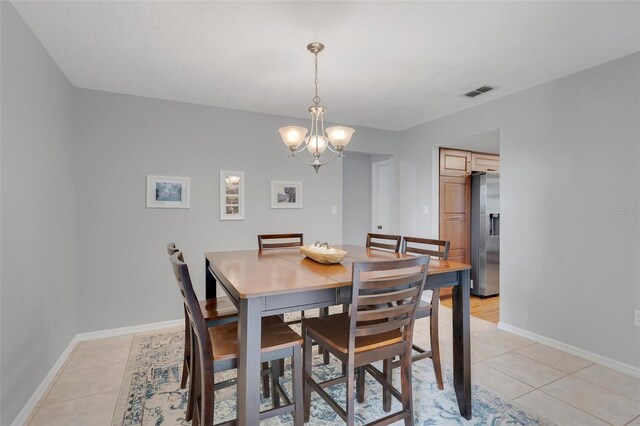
167, 192
286, 195
231, 195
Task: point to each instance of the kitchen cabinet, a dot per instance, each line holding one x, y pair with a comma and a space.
454, 162
484, 162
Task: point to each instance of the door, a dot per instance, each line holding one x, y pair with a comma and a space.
382, 197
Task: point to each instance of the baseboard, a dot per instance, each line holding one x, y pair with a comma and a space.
114, 332
590, 356
23, 415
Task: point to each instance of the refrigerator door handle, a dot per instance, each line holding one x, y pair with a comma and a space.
494, 219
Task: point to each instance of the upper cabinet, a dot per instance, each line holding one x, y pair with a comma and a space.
455, 163
485, 162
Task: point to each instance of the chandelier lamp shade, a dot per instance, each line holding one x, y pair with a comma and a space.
316, 139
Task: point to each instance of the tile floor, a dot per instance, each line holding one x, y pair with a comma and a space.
563, 388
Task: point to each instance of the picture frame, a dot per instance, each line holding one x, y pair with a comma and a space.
286, 195
168, 192
231, 195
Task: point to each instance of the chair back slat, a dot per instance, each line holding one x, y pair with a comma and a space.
388, 299
384, 313
392, 242
435, 248
390, 282
383, 327
285, 240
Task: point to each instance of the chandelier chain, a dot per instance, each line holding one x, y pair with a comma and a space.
316, 98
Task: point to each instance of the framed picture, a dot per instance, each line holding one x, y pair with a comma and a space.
286, 195
231, 195
167, 192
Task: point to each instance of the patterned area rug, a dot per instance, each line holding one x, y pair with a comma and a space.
151, 393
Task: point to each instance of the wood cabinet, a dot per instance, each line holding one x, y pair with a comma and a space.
454, 162
455, 193
484, 162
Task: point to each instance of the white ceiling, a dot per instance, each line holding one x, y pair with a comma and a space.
388, 65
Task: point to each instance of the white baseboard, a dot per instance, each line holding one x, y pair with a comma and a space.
102, 334
590, 356
23, 415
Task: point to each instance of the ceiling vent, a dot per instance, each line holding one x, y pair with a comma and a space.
478, 91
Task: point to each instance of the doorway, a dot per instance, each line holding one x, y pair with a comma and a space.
465, 220
382, 196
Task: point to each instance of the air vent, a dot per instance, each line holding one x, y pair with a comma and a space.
478, 91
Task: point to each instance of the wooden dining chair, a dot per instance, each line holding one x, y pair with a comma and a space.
282, 241
285, 241
215, 349
434, 248
384, 242
288, 241
439, 249
216, 311
378, 326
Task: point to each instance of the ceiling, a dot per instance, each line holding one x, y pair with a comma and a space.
389, 65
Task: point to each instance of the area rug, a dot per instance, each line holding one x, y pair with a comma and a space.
151, 393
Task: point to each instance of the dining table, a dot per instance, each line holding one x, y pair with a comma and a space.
277, 281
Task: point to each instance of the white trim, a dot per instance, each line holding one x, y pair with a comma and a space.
435, 191
599, 359
142, 328
31, 404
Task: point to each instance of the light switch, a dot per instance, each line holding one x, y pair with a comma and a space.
334, 210
426, 209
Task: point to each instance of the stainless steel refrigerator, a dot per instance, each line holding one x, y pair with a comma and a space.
485, 233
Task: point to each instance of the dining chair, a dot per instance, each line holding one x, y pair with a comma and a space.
288, 241
439, 249
216, 311
433, 248
384, 241
215, 349
283, 241
378, 326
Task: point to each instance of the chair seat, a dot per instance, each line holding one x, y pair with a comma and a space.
275, 335
218, 308
333, 331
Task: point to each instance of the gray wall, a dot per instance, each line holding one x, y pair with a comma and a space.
39, 285
124, 270
569, 155
356, 197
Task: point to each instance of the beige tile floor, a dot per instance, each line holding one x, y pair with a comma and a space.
563, 388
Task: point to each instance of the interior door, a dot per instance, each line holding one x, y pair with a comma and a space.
382, 197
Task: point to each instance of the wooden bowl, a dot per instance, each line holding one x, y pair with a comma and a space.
324, 258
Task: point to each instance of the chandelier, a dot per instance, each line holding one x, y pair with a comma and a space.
320, 139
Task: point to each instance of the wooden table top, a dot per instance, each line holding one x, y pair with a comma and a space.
255, 274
